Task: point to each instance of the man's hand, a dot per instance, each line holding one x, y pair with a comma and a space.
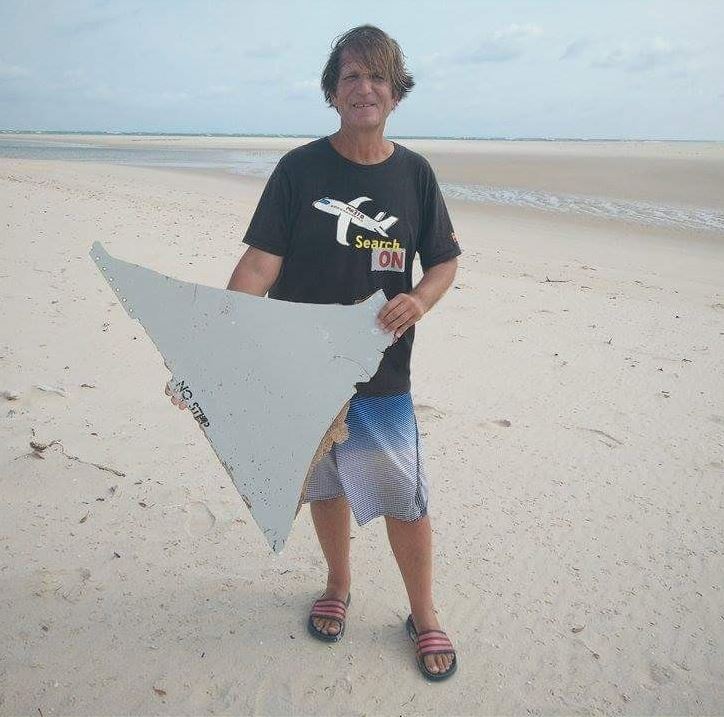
398, 314
175, 397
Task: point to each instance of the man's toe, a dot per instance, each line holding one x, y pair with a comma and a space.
326, 627
431, 663
438, 664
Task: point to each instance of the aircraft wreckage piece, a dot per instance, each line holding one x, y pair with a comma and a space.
264, 378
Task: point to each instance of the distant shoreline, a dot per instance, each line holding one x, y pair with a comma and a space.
252, 135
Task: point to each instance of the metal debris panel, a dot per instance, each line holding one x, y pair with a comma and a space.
264, 378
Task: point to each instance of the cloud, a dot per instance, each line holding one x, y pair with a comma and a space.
265, 52
217, 90
640, 57
432, 67
91, 25
112, 95
502, 45
303, 89
168, 97
574, 49
12, 72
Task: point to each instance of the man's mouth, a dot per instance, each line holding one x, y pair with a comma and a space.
360, 105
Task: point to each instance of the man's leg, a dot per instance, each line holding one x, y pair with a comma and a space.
332, 523
411, 543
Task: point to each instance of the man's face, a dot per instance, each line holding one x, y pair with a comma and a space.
363, 99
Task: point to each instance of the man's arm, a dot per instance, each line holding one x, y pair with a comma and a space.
256, 272
398, 314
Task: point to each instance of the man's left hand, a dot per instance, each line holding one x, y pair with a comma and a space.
398, 314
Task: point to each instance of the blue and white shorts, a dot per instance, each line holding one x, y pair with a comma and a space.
379, 467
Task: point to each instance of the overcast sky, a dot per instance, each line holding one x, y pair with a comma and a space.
505, 68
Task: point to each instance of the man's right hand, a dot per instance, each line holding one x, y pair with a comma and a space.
175, 397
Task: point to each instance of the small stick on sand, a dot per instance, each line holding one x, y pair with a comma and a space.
38, 449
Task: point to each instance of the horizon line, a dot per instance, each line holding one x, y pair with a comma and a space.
491, 138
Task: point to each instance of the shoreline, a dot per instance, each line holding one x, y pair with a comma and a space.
571, 218
662, 183
415, 138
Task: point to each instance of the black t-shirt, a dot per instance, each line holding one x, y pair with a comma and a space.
346, 230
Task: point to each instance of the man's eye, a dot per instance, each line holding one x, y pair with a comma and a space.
351, 77
378, 78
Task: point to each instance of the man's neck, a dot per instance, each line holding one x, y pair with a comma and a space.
365, 148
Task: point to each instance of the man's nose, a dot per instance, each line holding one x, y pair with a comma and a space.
364, 83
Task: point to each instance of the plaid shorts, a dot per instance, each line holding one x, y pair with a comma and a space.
379, 467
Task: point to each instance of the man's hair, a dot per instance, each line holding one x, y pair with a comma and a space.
374, 49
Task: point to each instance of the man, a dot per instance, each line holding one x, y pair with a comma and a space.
340, 218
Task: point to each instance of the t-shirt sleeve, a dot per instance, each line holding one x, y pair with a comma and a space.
269, 228
438, 242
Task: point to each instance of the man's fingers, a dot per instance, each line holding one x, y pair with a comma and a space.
402, 329
399, 318
391, 305
179, 403
176, 399
395, 308
398, 314
405, 318
395, 316
402, 325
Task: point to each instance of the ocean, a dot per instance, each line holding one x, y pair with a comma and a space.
260, 163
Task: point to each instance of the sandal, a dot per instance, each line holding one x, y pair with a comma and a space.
431, 642
331, 610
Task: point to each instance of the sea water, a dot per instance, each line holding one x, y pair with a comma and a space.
260, 163
624, 210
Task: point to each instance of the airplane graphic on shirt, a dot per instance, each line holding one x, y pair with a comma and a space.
349, 212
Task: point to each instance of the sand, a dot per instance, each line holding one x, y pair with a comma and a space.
570, 389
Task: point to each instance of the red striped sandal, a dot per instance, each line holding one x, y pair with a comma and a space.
432, 642
331, 610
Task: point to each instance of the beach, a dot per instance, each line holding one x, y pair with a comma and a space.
569, 390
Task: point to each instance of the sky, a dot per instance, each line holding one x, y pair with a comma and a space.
623, 69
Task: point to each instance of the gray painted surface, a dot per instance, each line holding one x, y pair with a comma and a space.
264, 378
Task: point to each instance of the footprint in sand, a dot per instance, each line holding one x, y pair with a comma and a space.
661, 675
275, 697
423, 410
716, 468
199, 519
66, 585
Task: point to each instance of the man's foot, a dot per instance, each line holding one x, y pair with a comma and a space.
327, 616
433, 659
